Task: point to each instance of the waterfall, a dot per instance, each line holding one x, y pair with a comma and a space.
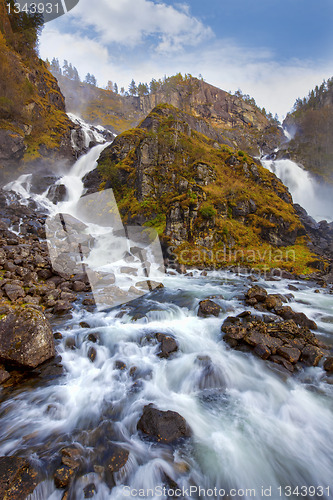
253, 426
316, 198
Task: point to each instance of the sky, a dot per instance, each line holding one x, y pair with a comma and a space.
273, 50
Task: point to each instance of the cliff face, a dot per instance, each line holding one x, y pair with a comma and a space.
33, 122
199, 195
311, 126
238, 123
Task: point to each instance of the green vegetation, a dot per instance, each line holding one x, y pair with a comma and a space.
312, 122
162, 166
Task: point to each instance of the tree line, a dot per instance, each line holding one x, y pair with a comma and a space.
316, 98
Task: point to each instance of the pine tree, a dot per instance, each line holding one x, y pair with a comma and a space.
115, 88
55, 66
132, 89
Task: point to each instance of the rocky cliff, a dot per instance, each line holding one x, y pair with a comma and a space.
241, 124
311, 127
215, 203
33, 122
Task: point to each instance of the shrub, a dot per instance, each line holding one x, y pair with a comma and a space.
208, 212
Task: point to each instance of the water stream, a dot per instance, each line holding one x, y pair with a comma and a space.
253, 426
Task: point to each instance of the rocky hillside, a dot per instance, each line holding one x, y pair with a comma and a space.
311, 126
33, 122
242, 124
213, 203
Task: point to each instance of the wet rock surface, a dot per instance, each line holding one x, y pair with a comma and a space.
279, 341
18, 478
26, 338
163, 426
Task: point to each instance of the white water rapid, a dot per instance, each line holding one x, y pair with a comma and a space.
253, 427
317, 199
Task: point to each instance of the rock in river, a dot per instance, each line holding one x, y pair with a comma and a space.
26, 338
163, 426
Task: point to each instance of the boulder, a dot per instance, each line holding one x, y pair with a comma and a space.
26, 338
13, 291
208, 308
328, 365
163, 426
18, 478
300, 318
168, 345
256, 292
282, 342
118, 457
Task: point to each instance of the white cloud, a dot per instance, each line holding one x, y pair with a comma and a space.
120, 52
130, 22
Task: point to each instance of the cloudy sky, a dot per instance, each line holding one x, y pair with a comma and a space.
274, 50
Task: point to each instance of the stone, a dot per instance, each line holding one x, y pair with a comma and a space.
280, 360
63, 476
168, 345
14, 292
262, 351
273, 301
256, 292
117, 457
71, 457
70, 342
163, 426
79, 286
311, 355
62, 307
300, 318
83, 324
4, 375
120, 365
18, 478
92, 353
26, 338
90, 490
292, 354
208, 308
328, 365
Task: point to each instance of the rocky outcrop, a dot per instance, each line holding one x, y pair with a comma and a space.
226, 117
195, 191
33, 122
163, 426
281, 342
18, 478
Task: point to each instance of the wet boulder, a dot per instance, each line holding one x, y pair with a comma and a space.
300, 318
117, 457
256, 293
163, 426
282, 342
328, 365
26, 338
168, 345
18, 478
208, 308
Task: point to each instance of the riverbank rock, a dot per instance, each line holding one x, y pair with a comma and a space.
18, 478
258, 297
26, 338
282, 342
208, 308
163, 426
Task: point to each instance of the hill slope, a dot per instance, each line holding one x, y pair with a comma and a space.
200, 196
33, 122
241, 124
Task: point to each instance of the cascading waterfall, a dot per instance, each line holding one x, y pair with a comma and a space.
253, 427
306, 191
